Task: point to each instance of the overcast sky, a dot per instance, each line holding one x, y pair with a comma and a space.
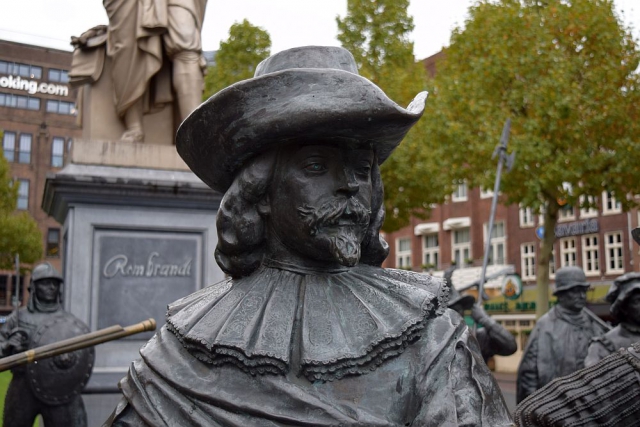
289, 22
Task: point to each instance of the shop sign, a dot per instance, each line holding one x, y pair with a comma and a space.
32, 86
512, 286
576, 228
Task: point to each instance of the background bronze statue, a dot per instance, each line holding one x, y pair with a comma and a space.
51, 387
559, 342
492, 337
624, 297
155, 52
309, 329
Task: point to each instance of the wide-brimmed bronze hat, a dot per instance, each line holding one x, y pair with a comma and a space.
306, 93
621, 289
569, 278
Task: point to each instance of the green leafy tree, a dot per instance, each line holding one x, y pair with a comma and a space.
565, 72
377, 33
238, 57
19, 233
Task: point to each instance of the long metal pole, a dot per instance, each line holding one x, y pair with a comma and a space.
17, 289
501, 150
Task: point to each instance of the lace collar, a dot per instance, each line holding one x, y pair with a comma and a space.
340, 323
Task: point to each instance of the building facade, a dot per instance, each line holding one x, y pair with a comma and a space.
38, 121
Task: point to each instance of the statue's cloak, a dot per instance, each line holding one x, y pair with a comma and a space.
359, 347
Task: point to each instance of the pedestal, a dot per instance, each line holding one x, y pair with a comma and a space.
134, 240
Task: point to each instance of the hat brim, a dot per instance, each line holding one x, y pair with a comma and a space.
571, 286
254, 115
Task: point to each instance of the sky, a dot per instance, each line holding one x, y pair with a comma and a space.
290, 23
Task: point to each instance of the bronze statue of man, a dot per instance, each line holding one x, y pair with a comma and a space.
624, 297
559, 342
492, 337
50, 387
309, 329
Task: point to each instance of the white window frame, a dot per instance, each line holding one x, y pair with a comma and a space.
614, 252
461, 194
23, 195
431, 254
463, 248
568, 252
57, 152
528, 261
485, 193
591, 254
25, 145
588, 212
566, 214
610, 205
499, 239
526, 217
552, 264
403, 257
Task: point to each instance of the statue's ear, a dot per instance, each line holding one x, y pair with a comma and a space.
264, 206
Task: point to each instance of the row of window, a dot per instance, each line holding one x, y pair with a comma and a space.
610, 206
591, 255
33, 103
461, 252
460, 248
21, 152
33, 71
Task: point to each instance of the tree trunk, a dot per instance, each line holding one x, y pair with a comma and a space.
546, 247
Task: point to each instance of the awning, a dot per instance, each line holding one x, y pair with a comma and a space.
463, 278
426, 228
456, 223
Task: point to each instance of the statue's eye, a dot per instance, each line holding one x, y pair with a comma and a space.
315, 167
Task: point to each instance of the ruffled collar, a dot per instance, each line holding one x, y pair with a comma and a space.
331, 324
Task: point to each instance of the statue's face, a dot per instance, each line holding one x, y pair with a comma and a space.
573, 299
47, 290
631, 308
320, 201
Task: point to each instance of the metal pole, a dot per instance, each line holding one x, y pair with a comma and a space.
17, 288
501, 151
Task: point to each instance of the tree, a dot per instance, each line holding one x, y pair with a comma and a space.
377, 33
19, 233
564, 72
238, 57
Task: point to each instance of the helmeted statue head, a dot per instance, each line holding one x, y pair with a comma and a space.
45, 289
296, 151
571, 288
624, 297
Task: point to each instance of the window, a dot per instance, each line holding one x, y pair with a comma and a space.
591, 211
59, 76
24, 151
609, 204
566, 213
23, 194
57, 152
567, 252
526, 217
461, 245
486, 194
498, 243
403, 253
613, 252
22, 70
528, 261
590, 258
460, 195
53, 242
431, 250
3, 290
19, 101
9, 146
61, 107
552, 264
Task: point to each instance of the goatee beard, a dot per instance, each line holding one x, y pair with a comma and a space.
345, 247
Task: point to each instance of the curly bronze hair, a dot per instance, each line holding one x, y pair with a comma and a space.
241, 227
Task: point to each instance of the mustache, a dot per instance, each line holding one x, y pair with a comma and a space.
333, 211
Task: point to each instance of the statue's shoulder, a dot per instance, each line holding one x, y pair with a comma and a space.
434, 285
200, 297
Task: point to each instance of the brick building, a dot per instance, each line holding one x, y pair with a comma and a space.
38, 120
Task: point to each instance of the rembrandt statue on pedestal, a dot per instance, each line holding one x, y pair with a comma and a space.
309, 330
